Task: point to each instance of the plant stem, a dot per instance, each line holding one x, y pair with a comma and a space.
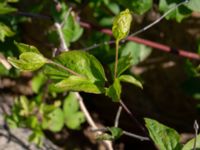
116, 59
131, 115
118, 116
65, 68
63, 45
136, 136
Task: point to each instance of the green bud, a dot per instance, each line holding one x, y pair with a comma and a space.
121, 25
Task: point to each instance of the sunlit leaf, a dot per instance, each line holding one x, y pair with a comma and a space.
130, 79
56, 121
28, 61
114, 91
74, 83
26, 48
137, 52
73, 117
190, 144
4, 9
5, 32
165, 138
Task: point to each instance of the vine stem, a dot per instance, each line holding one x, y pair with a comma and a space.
63, 46
131, 115
118, 116
116, 58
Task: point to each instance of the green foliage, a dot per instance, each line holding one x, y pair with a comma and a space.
123, 64
80, 71
4, 9
137, 6
5, 32
130, 79
164, 137
115, 133
74, 83
137, 52
37, 82
179, 14
26, 48
70, 28
114, 91
36, 116
190, 144
73, 117
28, 61
122, 24
92, 76
56, 120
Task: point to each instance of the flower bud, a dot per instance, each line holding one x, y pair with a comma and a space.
121, 25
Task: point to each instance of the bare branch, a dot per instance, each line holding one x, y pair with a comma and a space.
89, 119
142, 138
4, 62
118, 116
158, 20
63, 45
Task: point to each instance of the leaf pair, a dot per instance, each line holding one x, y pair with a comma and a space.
114, 91
92, 76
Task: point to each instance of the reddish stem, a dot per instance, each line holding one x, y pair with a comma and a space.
149, 43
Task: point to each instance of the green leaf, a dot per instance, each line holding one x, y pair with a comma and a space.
137, 52
123, 64
72, 30
32, 122
36, 137
37, 82
114, 7
56, 121
115, 132
179, 14
81, 63
4, 9
164, 137
121, 25
24, 103
29, 61
114, 91
74, 83
138, 6
26, 48
73, 117
130, 79
193, 5
5, 32
190, 144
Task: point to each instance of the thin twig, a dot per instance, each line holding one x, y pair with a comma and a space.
149, 43
158, 20
118, 116
63, 45
116, 59
142, 138
131, 115
89, 119
196, 128
4, 62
